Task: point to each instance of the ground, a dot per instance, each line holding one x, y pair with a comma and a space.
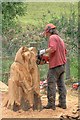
72, 105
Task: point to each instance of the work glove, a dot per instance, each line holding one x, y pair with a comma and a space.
41, 52
39, 56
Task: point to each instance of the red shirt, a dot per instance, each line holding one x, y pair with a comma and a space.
57, 54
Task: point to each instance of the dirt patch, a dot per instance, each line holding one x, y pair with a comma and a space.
72, 105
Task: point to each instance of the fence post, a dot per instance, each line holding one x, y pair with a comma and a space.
68, 69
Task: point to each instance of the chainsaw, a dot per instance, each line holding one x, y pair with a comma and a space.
42, 59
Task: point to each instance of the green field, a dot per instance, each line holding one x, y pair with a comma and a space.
44, 10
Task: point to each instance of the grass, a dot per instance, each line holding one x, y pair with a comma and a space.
37, 11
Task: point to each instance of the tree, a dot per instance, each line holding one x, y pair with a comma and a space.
10, 11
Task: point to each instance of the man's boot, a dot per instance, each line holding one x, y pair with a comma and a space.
62, 106
51, 104
49, 107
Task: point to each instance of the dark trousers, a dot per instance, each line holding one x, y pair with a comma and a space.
56, 77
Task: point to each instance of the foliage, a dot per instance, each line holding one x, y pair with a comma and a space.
74, 67
28, 28
11, 11
6, 63
66, 23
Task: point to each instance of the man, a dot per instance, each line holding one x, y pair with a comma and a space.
57, 59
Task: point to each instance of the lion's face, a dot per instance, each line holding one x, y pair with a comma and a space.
22, 55
26, 56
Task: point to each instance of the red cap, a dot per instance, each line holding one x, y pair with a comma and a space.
49, 27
